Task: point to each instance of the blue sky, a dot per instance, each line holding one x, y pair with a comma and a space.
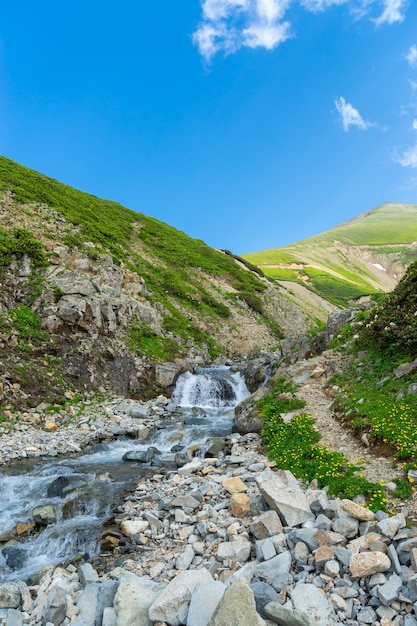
249, 124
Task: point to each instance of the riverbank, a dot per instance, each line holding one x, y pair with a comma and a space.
231, 540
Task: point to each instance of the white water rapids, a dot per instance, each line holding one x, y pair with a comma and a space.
202, 409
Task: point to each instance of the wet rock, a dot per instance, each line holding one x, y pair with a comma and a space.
10, 596
14, 556
45, 514
141, 456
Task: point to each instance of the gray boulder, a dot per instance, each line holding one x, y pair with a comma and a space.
172, 605
283, 494
204, 601
133, 599
237, 607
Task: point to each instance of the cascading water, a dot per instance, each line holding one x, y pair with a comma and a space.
77, 489
210, 388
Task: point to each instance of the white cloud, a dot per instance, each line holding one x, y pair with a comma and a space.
350, 116
315, 6
219, 9
267, 36
408, 158
392, 13
228, 25
412, 56
415, 124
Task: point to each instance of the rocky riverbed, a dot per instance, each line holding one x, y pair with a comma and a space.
228, 539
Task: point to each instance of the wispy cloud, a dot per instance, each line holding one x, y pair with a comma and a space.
228, 25
415, 124
412, 56
350, 116
408, 158
393, 12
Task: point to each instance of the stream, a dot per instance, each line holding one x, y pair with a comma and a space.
53, 510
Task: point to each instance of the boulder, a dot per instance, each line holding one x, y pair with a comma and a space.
237, 607
283, 494
133, 599
172, 604
204, 601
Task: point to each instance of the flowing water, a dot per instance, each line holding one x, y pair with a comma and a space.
79, 491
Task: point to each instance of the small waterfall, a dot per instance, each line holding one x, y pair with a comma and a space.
210, 388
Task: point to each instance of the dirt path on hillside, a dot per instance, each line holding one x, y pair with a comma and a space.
336, 436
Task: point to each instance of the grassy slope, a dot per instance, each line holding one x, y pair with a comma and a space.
175, 266
337, 264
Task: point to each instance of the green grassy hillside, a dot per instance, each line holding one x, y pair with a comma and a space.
361, 257
196, 287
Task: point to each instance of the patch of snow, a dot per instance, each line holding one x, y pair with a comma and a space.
379, 267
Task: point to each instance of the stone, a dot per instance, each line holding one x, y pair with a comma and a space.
283, 494
134, 597
184, 560
87, 574
139, 411
389, 592
45, 514
236, 551
306, 598
234, 485
284, 616
133, 527
263, 594
346, 525
277, 567
10, 596
93, 599
367, 563
172, 604
237, 607
322, 555
355, 510
366, 615
266, 525
240, 505
390, 525
206, 596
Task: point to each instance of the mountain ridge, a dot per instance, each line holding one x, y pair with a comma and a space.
363, 256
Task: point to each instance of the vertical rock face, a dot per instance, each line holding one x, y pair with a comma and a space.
284, 495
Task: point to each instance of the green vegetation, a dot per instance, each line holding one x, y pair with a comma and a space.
335, 290
392, 326
144, 341
329, 260
174, 266
295, 447
17, 243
